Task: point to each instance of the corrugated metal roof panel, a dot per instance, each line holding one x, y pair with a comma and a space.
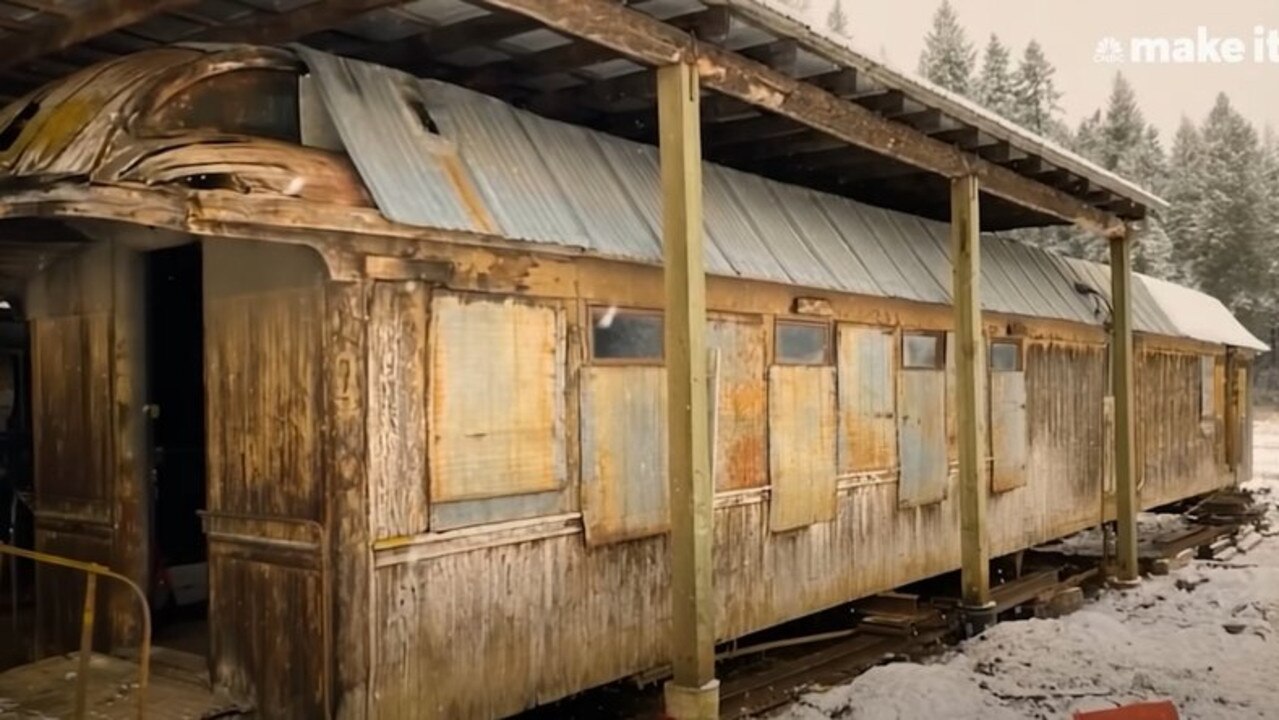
847, 219
499, 170
406, 168
762, 210
636, 166
520, 191
1200, 316
727, 225
612, 222
804, 213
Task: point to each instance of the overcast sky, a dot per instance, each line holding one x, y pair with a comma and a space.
1070, 30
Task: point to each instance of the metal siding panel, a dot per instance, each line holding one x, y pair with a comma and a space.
624, 489
921, 431
496, 398
415, 177
802, 427
613, 224
519, 188
1003, 270
867, 403
741, 432
1008, 431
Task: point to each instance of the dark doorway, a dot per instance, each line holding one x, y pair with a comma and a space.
175, 405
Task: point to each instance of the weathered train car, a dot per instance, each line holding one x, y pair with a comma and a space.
428, 330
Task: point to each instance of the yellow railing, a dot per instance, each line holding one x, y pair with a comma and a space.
92, 571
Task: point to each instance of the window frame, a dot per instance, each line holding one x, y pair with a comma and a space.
828, 354
938, 335
593, 359
1016, 344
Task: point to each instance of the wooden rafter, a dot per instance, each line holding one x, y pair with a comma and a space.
293, 24
651, 41
100, 19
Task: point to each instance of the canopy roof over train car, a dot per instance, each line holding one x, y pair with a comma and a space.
431, 154
782, 100
545, 181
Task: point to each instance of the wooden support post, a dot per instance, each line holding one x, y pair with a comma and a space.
1126, 504
694, 691
965, 236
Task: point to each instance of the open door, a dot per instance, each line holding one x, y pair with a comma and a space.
175, 410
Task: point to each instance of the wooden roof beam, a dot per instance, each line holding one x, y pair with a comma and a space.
100, 19
651, 41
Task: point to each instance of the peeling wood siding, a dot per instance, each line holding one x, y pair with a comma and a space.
1067, 438
1179, 453
741, 412
921, 429
802, 428
624, 490
497, 398
1009, 436
397, 409
867, 403
264, 320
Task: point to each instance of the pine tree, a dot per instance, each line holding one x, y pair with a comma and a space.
836, 20
1184, 191
1230, 256
994, 88
1123, 128
1036, 93
948, 57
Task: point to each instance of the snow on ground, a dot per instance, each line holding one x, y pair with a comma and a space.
1203, 637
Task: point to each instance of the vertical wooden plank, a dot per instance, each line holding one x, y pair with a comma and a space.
965, 232
345, 376
129, 442
397, 409
921, 435
694, 692
1126, 502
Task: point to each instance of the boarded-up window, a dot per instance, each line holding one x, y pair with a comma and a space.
624, 490
497, 397
1008, 430
1207, 388
802, 428
921, 436
740, 402
868, 432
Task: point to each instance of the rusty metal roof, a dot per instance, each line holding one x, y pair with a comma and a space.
543, 181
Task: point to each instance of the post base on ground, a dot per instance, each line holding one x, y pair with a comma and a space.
1119, 583
692, 703
975, 619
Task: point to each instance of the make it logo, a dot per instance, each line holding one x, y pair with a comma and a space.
1109, 50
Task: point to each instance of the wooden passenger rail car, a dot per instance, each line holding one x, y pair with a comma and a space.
429, 337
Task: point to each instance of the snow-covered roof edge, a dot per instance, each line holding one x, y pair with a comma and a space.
843, 51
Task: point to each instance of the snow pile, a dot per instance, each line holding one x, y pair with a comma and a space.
1203, 637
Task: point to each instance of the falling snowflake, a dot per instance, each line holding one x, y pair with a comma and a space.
1109, 50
